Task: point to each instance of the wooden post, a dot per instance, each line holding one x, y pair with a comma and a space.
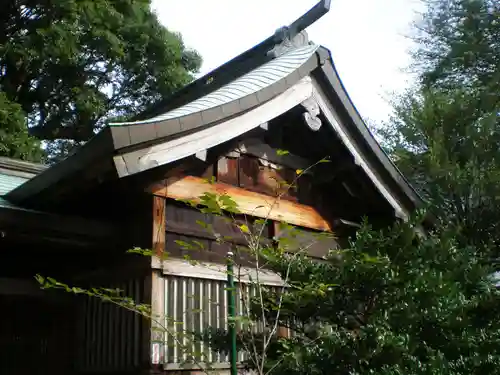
159, 225
158, 285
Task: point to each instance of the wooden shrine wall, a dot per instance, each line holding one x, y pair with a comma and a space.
261, 188
254, 183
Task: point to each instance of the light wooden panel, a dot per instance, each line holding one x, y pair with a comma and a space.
249, 203
158, 225
156, 284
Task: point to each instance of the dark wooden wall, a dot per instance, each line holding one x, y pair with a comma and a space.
55, 332
35, 336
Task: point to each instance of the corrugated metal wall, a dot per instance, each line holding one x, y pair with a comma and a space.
110, 338
193, 305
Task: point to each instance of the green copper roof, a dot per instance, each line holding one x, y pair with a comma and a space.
14, 173
8, 183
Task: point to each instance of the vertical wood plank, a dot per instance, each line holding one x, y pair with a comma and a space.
157, 285
159, 225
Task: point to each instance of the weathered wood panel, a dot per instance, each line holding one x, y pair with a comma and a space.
315, 244
263, 177
158, 235
183, 224
111, 338
249, 203
227, 170
35, 336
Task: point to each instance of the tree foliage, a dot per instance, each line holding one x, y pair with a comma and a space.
444, 133
459, 44
390, 303
72, 65
15, 142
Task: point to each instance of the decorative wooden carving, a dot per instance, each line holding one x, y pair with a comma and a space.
312, 112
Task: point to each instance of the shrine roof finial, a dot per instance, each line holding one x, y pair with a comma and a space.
294, 35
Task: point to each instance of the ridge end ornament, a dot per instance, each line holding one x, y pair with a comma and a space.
288, 42
311, 114
290, 37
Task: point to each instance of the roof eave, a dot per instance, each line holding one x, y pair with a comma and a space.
20, 167
92, 152
329, 78
56, 227
148, 133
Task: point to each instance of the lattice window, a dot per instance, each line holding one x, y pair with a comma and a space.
192, 305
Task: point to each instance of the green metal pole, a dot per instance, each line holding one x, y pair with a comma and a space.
231, 313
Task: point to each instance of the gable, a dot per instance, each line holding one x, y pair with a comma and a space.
274, 79
312, 108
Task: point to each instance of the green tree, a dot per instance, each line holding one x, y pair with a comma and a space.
72, 65
444, 133
15, 142
459, 44
390, 303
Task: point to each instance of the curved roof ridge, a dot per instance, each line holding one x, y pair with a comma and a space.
250, 83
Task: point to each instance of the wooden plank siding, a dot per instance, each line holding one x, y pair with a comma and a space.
110, 338
36, 336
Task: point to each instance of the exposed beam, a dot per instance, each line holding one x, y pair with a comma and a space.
156, 283
202, 155
263, 151
307, 19
58, 227
249, 203
214, 271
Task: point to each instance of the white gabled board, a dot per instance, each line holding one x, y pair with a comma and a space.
191, 144
359, 158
